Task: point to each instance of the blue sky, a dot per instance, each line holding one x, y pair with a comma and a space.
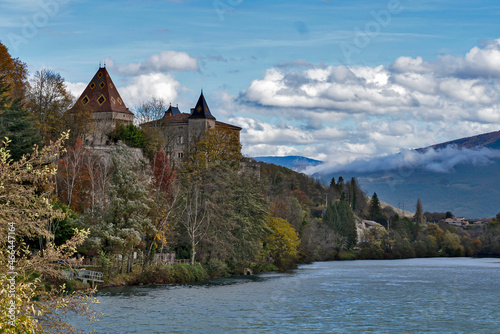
331, 80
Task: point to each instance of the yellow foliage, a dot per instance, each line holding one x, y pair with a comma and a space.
283, 241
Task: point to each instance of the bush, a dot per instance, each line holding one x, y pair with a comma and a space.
217, 268
178, 273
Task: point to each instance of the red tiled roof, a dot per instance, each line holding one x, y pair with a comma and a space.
232, 127
101, 94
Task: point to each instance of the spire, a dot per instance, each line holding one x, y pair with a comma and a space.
201, 110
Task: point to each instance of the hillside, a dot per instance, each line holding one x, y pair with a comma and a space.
296, 163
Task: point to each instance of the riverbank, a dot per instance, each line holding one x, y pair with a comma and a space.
173, 274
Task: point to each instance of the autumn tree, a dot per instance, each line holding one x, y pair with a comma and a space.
15, 73
165, 191
79, 120
49, 100
282, 243
218, 145
40, 301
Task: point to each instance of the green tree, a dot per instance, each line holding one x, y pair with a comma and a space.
123, 226
17, 124
375, 209
451, 245
419, 213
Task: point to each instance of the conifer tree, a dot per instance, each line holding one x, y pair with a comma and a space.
17, 124
419, 213
375, 210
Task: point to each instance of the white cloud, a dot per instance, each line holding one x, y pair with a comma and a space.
144, 87
165, 61
76, 89
441, 161
361, 112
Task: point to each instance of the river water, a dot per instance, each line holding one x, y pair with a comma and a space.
437, 295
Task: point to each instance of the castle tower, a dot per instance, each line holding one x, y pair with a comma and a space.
102, 97
200, 120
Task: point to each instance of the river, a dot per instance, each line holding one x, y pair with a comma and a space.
436, 295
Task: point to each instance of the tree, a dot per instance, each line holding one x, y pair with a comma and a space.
73, 176
218, 145
151, 111
25, 210
79, 120
332, 183
17, 124
195, 217
49, 100
165, 191
419, 213
282, 243
375, 209
354, 194
340, 218
120, 228
15, 73
451, 245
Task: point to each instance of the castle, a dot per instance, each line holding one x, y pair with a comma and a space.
180, 129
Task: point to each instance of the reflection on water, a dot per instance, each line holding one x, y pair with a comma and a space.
457, 295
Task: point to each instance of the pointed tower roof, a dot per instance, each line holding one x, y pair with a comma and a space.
101, 94
201, 110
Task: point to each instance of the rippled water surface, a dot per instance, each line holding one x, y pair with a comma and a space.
439, 295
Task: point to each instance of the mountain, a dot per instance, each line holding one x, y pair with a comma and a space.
461, 176
296, 163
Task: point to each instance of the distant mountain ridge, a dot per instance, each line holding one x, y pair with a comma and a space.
490, 140
294, 162
470, 186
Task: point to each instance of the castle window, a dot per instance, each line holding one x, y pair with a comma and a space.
85, 100
180, 140
180, 155
101, 100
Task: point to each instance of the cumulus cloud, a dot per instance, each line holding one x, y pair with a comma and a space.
165, 61
377, 110
450, 88
76, 89
146, 86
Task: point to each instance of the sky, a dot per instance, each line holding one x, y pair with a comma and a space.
338, 81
